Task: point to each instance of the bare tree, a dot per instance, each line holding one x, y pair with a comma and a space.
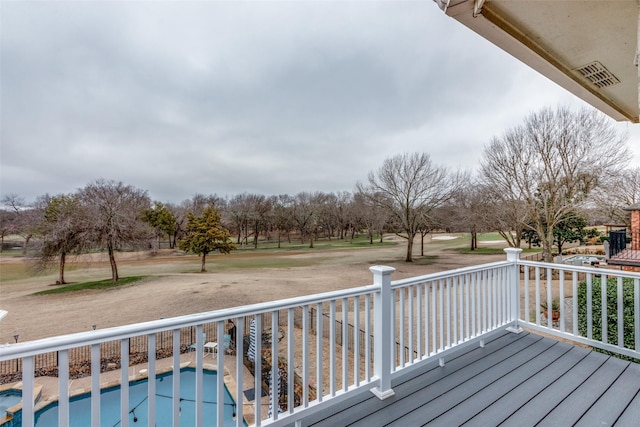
552, 162
367, 214
180, 212
410, 186
510, 217
239, 210
7, 225
343, 213
472, 211
260, 216
64, 231
26, 219
116, 213
247, 215
200, 202
304, 214
619, 192
327, 213
281, 216
630, 187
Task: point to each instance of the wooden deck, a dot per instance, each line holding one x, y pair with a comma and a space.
515, 380
630, 257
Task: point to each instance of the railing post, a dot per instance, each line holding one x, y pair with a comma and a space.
382, 325
513, 255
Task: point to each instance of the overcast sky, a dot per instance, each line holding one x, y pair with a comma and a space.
179, 98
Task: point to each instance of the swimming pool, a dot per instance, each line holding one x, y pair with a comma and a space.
80, 406
8, 399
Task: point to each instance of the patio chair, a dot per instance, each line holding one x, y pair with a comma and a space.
193, 346
226, 342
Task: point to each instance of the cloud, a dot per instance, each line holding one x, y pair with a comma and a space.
181, 98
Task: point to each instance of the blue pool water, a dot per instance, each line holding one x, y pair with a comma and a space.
80, 406
8, 399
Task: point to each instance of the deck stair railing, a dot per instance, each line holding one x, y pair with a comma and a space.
428, 315
617, 242
624, 247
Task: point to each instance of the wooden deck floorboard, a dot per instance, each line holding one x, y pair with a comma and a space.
514, 380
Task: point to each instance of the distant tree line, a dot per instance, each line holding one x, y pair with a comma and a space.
556, 172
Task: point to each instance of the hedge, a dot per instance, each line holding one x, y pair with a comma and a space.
612, 313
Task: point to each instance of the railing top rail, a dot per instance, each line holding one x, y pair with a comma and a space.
62, 342
581, 269
448, 273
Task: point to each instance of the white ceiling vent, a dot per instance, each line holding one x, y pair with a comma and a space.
597, 74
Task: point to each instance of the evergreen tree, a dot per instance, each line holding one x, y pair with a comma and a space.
205, 234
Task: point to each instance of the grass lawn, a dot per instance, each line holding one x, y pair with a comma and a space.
219, 262
100, 284
360, 241
489, 251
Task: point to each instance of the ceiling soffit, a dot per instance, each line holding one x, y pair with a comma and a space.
587, 47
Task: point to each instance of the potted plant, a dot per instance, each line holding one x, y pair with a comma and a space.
555, 309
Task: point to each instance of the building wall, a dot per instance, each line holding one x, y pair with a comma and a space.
635, 230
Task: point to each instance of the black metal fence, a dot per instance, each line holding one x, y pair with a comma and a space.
340, 338
350, 336
617, 242
47, 363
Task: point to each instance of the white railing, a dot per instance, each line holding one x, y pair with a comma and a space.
270, 320
439, 311
578, 293
339, 342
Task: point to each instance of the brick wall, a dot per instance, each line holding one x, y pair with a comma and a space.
635, 230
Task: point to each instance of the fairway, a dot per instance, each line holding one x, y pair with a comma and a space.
173, 286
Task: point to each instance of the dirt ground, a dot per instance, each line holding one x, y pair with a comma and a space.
168, 293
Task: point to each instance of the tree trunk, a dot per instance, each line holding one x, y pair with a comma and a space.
63, 258
255, 235
546, 253
518, 238
112, 261
474, 240
204, 260
409, 257
26, 243
547, 247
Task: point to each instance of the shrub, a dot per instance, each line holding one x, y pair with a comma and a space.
612, 313
592, 232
